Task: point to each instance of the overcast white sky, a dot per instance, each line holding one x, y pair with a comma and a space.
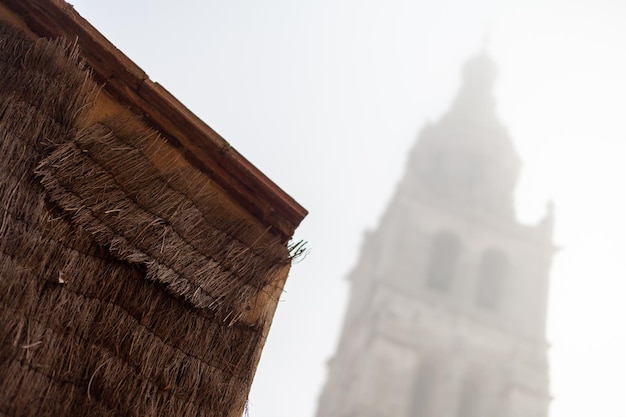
326, 97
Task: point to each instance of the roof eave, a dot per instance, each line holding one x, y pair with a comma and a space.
201, 146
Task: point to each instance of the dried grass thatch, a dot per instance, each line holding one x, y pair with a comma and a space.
127, 287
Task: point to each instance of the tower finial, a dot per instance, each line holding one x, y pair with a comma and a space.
546, 225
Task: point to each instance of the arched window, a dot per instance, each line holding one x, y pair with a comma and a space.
491, 275
422, 390
444, 256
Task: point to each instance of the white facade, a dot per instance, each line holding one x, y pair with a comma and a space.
448, 301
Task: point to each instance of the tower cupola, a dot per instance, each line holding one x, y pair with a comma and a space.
467, 157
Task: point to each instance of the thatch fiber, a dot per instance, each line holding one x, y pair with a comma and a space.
127, 287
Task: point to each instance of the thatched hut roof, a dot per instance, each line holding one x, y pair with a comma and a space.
141, 257
201, 146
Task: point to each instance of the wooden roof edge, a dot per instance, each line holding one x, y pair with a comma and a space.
202, 146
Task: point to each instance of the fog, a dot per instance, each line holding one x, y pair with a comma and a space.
328, 98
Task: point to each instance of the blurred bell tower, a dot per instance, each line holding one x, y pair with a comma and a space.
447, 308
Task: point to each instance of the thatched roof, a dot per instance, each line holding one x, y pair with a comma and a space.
135, 279
201, 146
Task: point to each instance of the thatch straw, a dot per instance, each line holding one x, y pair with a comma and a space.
112, 189
121, 292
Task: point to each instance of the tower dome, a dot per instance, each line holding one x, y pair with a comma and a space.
475, 101
467, 156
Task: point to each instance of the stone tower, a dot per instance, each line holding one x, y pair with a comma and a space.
447, 308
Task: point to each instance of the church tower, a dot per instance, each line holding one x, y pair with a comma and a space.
447, 308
